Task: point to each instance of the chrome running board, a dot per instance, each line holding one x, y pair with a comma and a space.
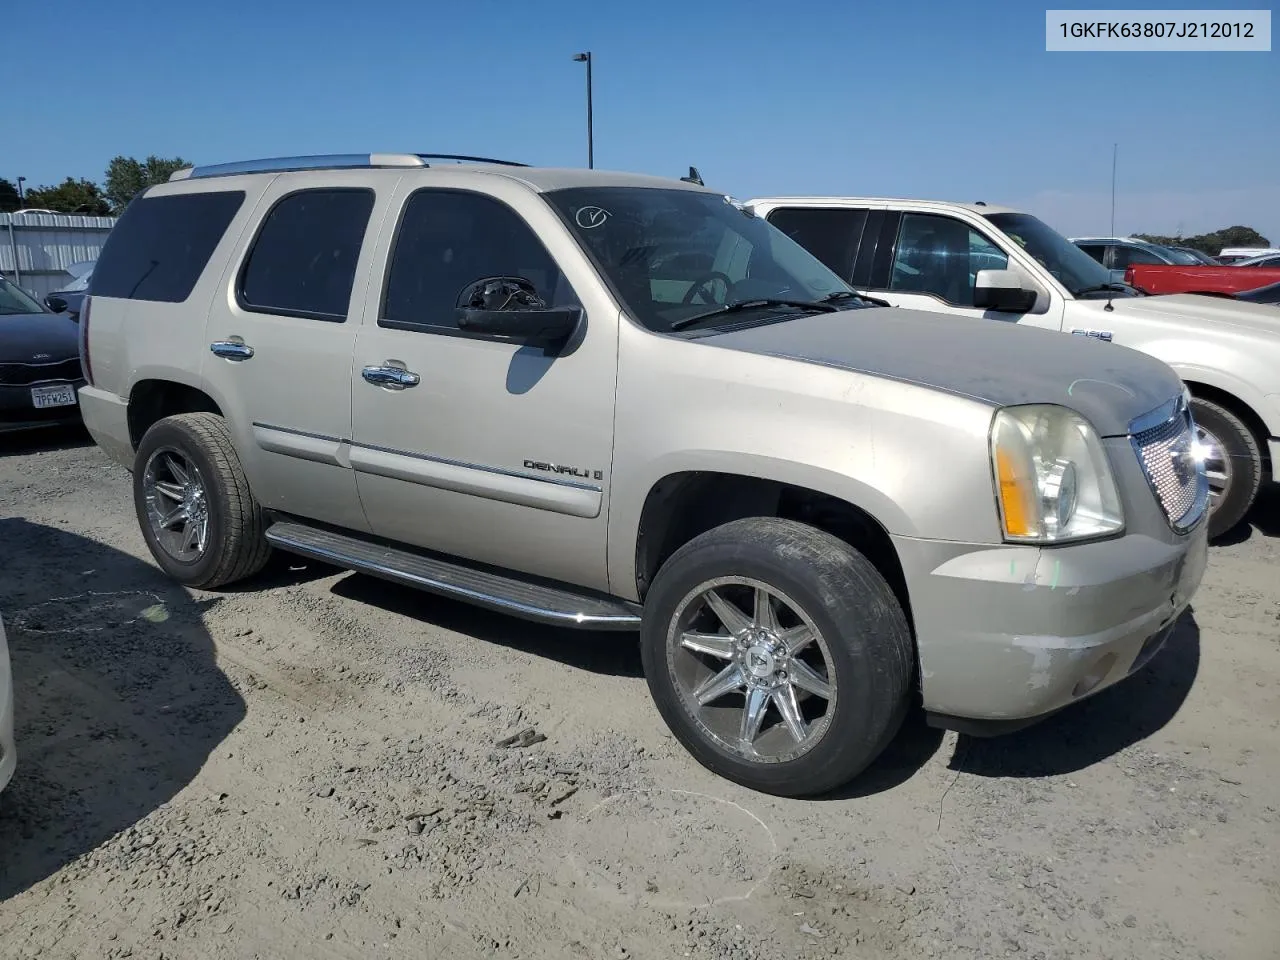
556, 605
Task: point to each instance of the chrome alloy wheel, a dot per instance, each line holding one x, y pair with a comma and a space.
759, 684
177, 504
1217, 464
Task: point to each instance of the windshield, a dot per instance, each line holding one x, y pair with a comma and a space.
672, 254
1198, 256
1182, 257
13, 300
1071, 266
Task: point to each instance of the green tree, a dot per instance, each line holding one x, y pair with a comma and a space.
9, 199
70, 196
126, 177
1212, 243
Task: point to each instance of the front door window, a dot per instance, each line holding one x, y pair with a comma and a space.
940, 256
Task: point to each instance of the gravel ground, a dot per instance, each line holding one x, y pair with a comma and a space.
312, 767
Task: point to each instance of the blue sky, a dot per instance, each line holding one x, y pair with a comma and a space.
943, 100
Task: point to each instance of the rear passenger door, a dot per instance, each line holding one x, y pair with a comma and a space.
857, 242
832, 234
281, 335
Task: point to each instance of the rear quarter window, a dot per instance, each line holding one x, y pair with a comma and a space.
831, 235
161, 245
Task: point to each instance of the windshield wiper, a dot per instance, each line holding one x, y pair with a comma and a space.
739, 305
1115, 287
851, 294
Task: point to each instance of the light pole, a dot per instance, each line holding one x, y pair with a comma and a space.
21, 199
591, 153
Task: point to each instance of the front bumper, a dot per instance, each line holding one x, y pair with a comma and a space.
18, 410
1011, 633
8, 753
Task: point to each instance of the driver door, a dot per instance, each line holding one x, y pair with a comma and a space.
934, 268
487, 450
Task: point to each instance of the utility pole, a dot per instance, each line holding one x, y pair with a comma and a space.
1115, 149
591, 153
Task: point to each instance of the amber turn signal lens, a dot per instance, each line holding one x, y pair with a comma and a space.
1015, 493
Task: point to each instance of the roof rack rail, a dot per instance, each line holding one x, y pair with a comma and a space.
328, 161
463, 157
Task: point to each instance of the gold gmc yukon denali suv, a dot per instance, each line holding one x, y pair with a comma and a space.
625, 403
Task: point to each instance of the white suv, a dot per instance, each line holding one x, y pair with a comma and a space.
972, 259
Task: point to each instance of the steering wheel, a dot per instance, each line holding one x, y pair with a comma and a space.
703, 286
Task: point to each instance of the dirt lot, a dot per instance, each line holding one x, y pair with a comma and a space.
310, 768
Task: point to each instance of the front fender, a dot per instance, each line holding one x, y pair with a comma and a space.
1232, 375
625, 513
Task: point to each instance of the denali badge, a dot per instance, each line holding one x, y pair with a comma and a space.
559, 468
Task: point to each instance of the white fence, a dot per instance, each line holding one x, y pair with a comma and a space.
37, 248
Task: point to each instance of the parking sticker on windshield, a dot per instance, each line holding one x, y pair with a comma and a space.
591, 217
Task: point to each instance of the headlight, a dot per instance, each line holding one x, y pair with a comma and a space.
1053, 480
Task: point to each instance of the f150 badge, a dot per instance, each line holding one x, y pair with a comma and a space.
1096, 334
580, 472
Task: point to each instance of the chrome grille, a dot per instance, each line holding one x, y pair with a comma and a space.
22, 374
1165, 444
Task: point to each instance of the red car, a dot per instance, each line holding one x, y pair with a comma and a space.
1220, 281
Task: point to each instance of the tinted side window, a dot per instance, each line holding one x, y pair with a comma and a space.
1095, 250
830, 235
161, 245
942, 256
449, 239
303, 262
1122, 256
875, 253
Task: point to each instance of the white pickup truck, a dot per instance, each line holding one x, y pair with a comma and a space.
978, 260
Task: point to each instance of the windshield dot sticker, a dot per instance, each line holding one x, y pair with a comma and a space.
589, 218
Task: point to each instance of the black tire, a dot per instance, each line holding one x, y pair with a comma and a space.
1245, 457
871, 652
235, 547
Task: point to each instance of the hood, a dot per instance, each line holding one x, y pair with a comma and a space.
989, 360
1194, 308
24, 336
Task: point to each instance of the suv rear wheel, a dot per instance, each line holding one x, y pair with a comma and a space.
194, 506
777, 655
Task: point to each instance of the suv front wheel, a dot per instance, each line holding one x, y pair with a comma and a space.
777, 655
1232, 460
194, 506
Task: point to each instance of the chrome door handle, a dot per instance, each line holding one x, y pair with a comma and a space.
231, 349
397, 378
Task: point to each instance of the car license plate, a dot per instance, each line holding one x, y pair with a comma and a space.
63, 395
